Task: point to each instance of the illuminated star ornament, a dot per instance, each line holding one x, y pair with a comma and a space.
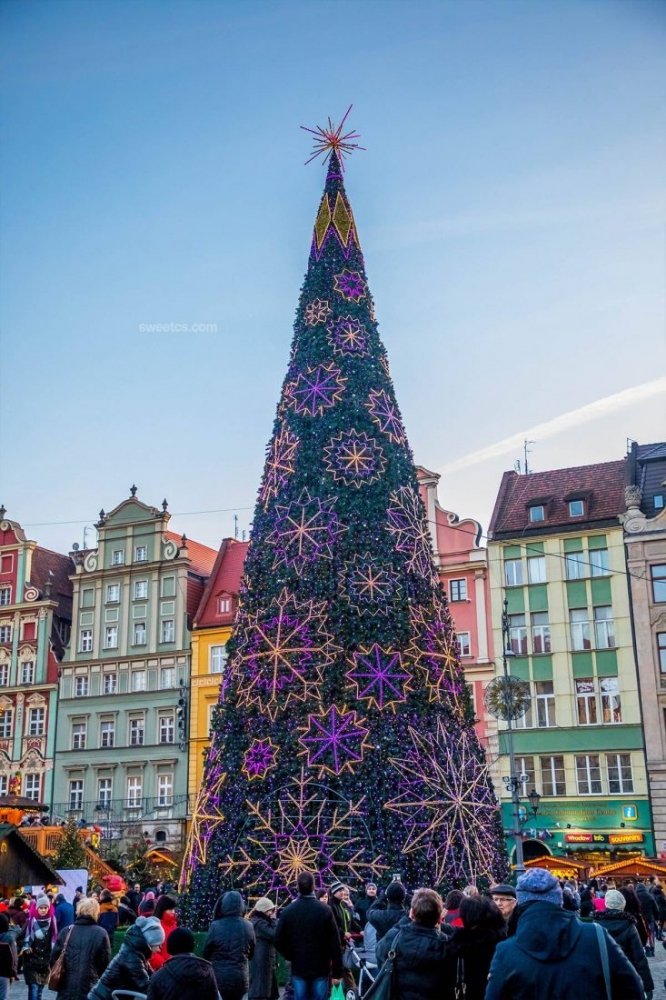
260, 758
334, 740
305, 530
331, 139
369, 585
354, 458
379, 676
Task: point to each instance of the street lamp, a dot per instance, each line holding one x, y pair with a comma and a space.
535, 799
512, 781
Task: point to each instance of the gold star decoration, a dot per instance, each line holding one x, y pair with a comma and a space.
331, 139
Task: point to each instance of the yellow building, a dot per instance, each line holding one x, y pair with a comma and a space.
210, 631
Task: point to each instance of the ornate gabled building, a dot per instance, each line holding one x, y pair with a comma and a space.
35, 622
122, 744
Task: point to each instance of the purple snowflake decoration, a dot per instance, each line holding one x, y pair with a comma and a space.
434, 649
379, 676
368, 585
354, 458
334, 741
279, 462
386, 415
408, 524
317, 311
259, 758
347, 335
351, 285
316, 389
305, 530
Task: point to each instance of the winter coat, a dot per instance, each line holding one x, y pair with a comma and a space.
556, 955
169, 922
128, 970
345, 919
423, 968
64, 913
108, 918
622, 928
126, 915
10, 956
230, 944
263, 981
184, 977
134, 899
649, 908
87, 955
660, 900
36, 950
362, 906
308, 937
17, 916
472, 952
384, 916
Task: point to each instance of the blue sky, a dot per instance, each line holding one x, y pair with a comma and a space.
510, 204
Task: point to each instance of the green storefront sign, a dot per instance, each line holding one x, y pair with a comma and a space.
584, 824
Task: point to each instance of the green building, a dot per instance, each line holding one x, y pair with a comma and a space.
557, 556
122, 739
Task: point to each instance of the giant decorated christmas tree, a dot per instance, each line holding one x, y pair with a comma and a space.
344, 740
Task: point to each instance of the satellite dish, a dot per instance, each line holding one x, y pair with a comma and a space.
507, 698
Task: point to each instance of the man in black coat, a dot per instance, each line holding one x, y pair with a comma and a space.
424, 969
229, 946
183, 976
385, 915
308, 937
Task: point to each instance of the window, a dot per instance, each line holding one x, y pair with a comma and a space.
36, 721
604, 628
586, 702
553, 779
88, 598
518, 635
118, 557
545, 704
32, 787
137, 732
27, 672
536, 569
661, 650
168, 630
113, 593
110, 683
111, 637
5, 633
513, 572
659, 501
85, 640
540, 632
81, 687
134, 791
140, 590
107, 733
611, 703
4, 674
588, 774
76, 793
140, 634
537, 513
620, 777
167, 677
458, 590
224, 605
6, 723
576, 508
164, 789
579, 625
141, 553
167, 729
104, 792
575, 565
138, 680
218, 658
78, 736
526, 721
6, 563
598, 562
525, 772
4, 784
168, 586
658, 586
464, 641
5, 596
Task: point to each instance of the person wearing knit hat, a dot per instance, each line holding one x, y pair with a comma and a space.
553, 954
390, 911
184, 976
348, 924
622, 928
263, 973
129, 969
396, 893
36, 941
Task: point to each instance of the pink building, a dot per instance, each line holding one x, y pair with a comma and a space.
463, 570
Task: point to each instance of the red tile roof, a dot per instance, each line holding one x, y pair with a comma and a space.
602, 485
225, 579
202, 557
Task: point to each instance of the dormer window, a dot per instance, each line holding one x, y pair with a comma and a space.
224, 605
537, 513
659, 501
576, 508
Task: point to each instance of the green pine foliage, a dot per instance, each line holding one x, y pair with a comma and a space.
71, 852
140, 868
344, 739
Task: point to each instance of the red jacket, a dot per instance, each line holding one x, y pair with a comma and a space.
169, 922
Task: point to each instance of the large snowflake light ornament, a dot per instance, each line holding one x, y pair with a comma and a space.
259, 758
379, 676
347, 335
354, 458
370, 585
280, 462
434, 650
407, 523
350, 285
384, 411
316, 312
334, 740
315, 390
304, 531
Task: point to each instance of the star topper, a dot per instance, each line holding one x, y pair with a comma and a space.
329, 139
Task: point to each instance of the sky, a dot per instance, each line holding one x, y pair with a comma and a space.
510, 204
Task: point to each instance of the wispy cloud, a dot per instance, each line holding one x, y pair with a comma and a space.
565, 422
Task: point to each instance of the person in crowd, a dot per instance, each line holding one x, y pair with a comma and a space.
129, 970
108, 913
263, 979
8, 955
87, 952
660, 900
134, 895
632, 906
473, 945
553, 954
229, 946
36, 940
165, 911
79, 894
622, 928
183, 976
147, 905
423, 968
452, 907
64, 912
17, 912
365, 902
307, 936
504, 897
386, 914
650, 914
587, 903
349, 928
126, 915
322, 895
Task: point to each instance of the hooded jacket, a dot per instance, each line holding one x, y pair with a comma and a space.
423, 967
555, 955
649, 908
622, 928
87, 955
169, 922
230, 944
128, 970
384, 916
184, 977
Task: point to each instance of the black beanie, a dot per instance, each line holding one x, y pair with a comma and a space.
180, 941
396, 893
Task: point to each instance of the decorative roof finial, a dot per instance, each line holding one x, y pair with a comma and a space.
329, 141
183, 539
133, 490
3, 511
164, 505
102, 514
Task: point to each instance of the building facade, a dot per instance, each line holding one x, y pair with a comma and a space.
557, 557
645, 541
122, 742
35, 622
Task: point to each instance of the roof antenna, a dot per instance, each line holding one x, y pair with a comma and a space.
527, 451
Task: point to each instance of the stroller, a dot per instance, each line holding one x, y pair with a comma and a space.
356, 960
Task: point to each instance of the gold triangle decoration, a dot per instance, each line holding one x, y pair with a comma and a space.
322, 221
342, 220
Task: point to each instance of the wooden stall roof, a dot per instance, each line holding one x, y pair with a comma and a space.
638, 867
561, 867
20, 864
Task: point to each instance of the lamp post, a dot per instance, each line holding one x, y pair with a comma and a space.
512, 782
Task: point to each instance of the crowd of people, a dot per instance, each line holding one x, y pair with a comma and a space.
544, 937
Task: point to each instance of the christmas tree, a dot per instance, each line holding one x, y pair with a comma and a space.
344, 741
70, 853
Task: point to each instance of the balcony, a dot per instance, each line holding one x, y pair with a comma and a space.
113, 816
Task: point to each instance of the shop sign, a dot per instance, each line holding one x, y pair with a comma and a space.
578, 838
625, 838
